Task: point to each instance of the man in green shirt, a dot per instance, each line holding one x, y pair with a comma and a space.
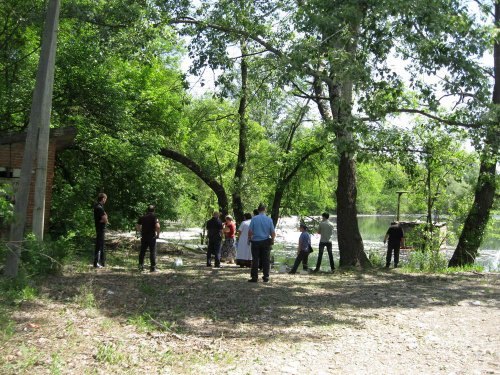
326, 231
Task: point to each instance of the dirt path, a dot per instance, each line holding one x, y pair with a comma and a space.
196, 320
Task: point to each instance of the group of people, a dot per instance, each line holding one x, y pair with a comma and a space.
256, 236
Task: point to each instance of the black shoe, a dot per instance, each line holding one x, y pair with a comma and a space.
316, 270
395, 266
209, 265
252, 280
291, 272
265, 279
152, 269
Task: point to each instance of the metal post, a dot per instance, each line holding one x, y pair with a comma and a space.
399, 202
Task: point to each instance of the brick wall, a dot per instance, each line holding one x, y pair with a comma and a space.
11, 157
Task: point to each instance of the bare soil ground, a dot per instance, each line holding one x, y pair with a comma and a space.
198, 320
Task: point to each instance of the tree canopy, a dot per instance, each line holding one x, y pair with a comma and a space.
317, 105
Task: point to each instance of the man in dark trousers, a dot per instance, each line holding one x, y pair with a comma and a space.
149, 226
325, 230
100, 220
395, 234
261, 234
214, 234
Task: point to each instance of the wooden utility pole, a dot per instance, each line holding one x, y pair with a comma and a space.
37, 140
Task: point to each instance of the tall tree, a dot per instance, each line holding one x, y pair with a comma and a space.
475, 224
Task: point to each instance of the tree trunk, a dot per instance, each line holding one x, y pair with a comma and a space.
349, 238
284, 181
211, 182
243, 130
40, 114
275, 207
479, 214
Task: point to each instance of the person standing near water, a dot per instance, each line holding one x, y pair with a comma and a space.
325, 230
394, 234
303, 249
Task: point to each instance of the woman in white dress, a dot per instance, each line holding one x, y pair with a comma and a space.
243, 250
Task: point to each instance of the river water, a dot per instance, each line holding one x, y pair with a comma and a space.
372, 228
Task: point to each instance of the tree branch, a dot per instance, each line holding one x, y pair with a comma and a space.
431, 116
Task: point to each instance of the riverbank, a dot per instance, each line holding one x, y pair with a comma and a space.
198, 320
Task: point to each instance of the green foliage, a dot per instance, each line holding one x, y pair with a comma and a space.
7, 325
85, 297
426, 261
424, 239
376, 259
6, 207
435, 262
109, 353
47, 257
142, 322
119, 83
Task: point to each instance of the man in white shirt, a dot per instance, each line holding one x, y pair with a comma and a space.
326, 231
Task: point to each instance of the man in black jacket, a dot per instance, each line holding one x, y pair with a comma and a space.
149, 226
214, 234
100, 220
394, 234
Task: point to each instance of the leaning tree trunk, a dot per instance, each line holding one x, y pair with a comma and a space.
285, 179
211, 182
243, 130
479, 214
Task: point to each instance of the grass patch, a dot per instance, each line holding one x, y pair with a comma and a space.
468, 268
56, 365
109, 353
145, 322
30, 356
85, 298
376, 259
7, 325
426, 261
147, 288
142, 322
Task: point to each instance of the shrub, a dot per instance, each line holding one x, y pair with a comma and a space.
46, 257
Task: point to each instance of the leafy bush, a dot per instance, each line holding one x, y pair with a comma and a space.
427, 261
422, 239
47, 257
376, 259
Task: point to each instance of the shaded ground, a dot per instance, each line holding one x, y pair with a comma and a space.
195, 319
